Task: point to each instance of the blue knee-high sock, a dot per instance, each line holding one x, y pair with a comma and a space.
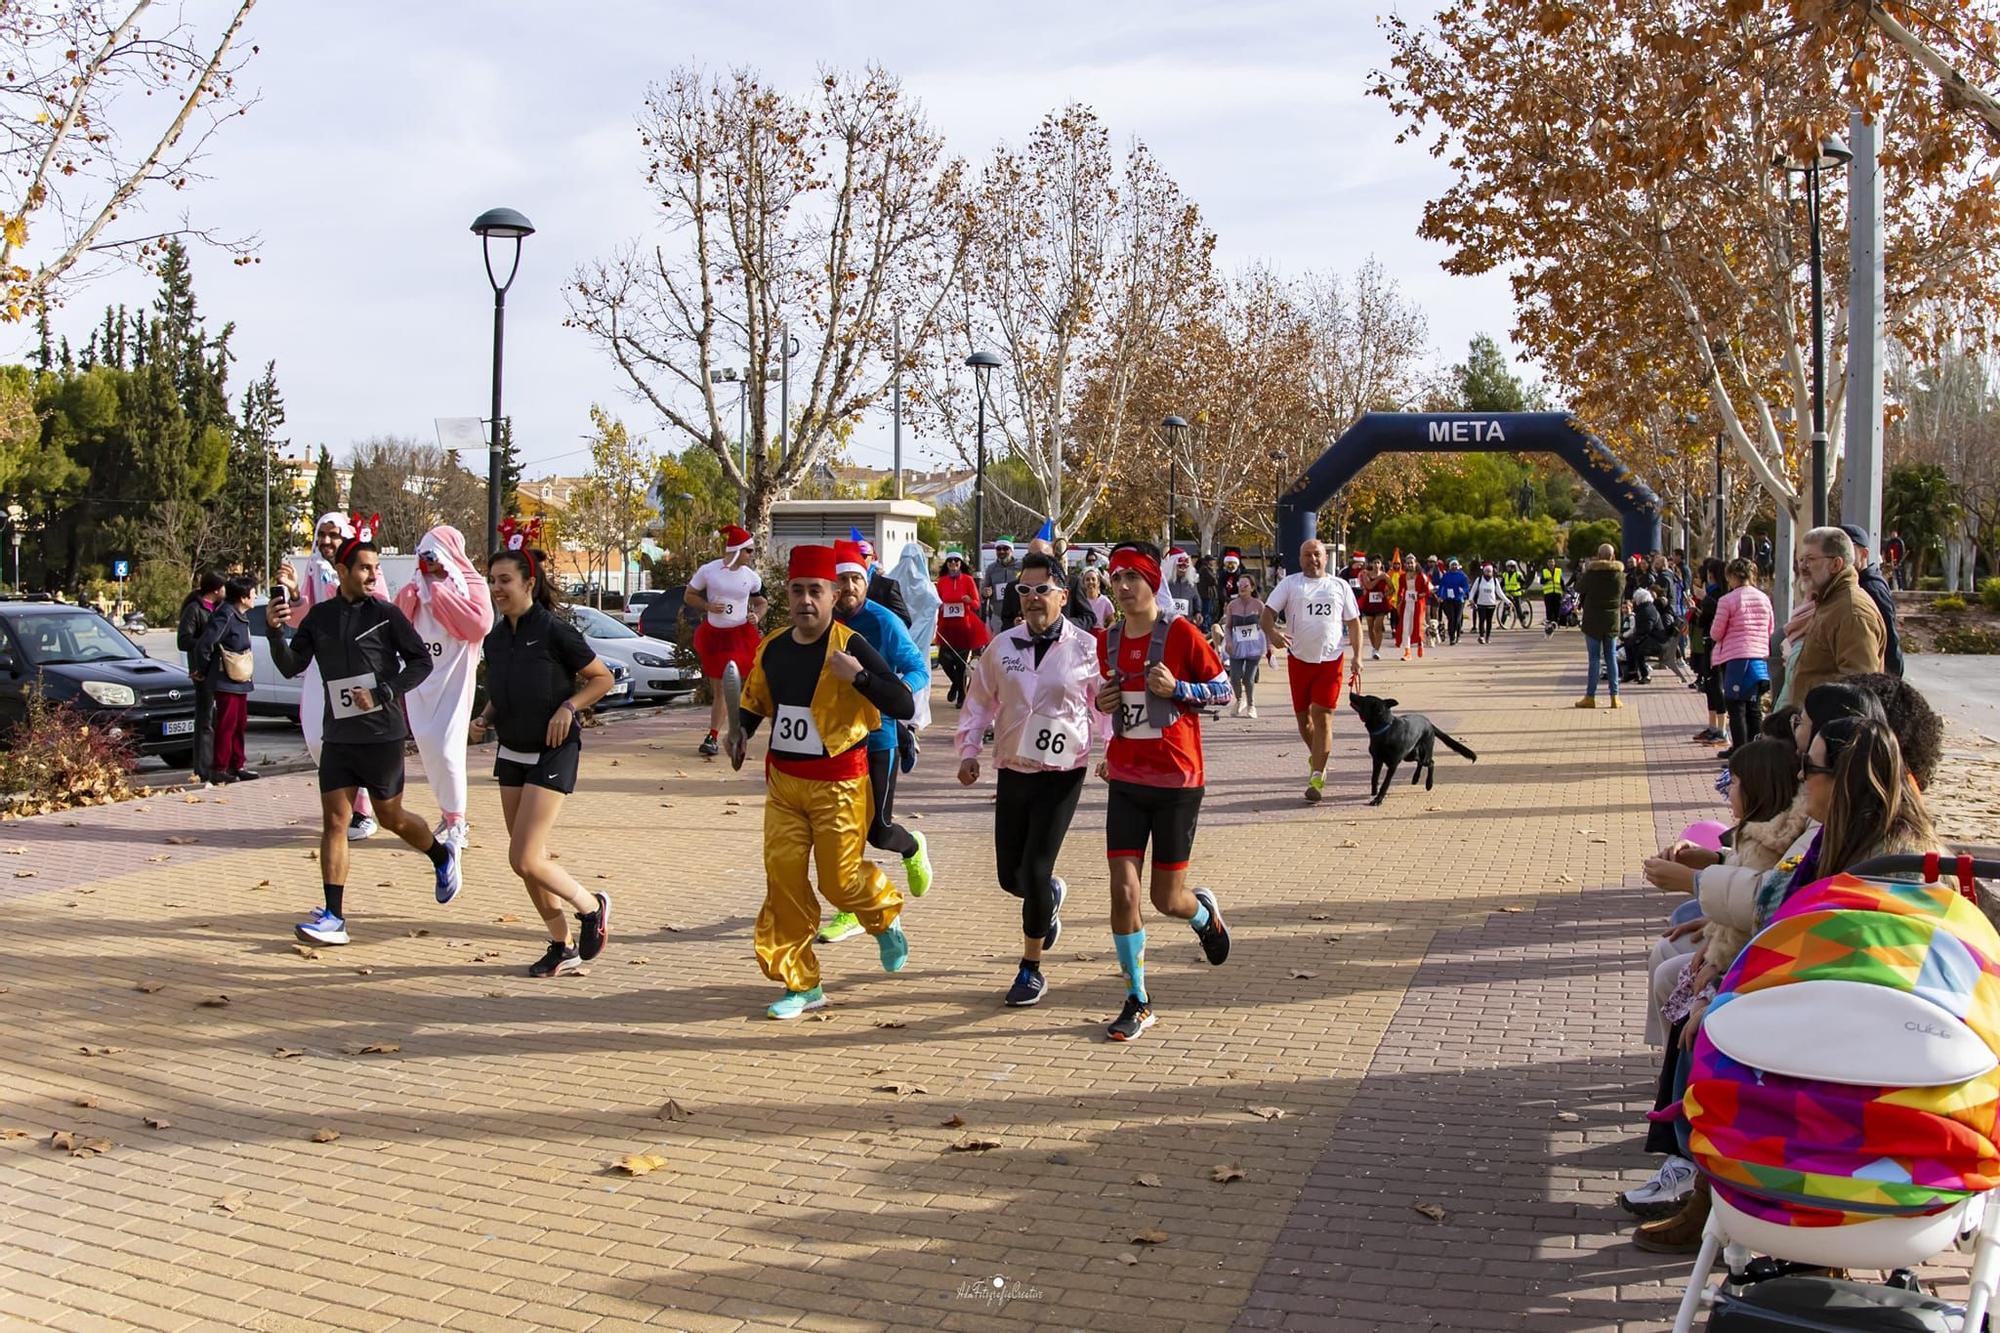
1132, 958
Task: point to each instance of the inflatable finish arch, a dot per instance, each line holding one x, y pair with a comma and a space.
1467, 432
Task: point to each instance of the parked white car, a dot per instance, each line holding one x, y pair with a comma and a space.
660, 670
635, 606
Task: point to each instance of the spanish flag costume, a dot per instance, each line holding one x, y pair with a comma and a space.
817, 804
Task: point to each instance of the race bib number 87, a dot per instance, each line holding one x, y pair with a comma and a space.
1133, 715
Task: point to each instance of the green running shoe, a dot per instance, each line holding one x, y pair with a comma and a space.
797, 1002
917, 865
842, 926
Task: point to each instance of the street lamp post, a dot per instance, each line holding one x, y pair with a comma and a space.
506, 225
1175, 428
1832, 153
983, 364
14, 516
1720, 502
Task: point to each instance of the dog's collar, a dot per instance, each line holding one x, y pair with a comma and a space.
1385, 727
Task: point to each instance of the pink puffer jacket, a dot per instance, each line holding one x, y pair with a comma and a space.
1742, 625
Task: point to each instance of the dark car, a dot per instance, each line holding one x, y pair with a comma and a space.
668, 617
73, 655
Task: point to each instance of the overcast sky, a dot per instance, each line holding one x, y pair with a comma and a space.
384, 128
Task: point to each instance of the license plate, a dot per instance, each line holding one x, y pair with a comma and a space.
618, 691
178, 727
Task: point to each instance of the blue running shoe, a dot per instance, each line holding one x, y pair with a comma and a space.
450, 877
1027, 988
895, 947
797, 1002
322, 927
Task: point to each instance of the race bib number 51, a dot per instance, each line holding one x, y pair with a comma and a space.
340, 695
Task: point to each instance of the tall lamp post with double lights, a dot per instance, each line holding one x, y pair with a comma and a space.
983, 364
498, 224
1832, 153
1176, 428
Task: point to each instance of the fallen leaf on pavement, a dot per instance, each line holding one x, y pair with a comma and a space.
17, 851
903, 1089
1568, 1116
304, 950
86, 1101
636, 962
673, 1110
1349, 842
1513, 909
9, 1132
1268, 1112
1298, 975
231, 1201
371, 1048
956, 1122
1149, 1181
1322, 916
325, 1134
890, 1023
1127, 1257
638, 1164
181, 839
1222, 1175
1150, 1236
313, 855
157, 859
418, 932
1432, 1211
1565, 879
363, 971
260, 886
287, 1053
100, 1050
147, 987
158, 1122
213, 1002
61, 1138
973, 1145
24, 874
505, 920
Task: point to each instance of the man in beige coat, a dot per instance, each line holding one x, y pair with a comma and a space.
1845, 637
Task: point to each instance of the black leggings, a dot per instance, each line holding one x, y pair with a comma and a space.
1746, 718
1454, 612
955, 666
1482, 621
1029, 822
884, 833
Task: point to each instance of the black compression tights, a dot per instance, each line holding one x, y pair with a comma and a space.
1030, 820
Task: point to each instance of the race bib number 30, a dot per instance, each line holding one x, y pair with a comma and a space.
340, 695
1051, 741
796, 733
1133, 715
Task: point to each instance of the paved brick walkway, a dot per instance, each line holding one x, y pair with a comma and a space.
1421, 998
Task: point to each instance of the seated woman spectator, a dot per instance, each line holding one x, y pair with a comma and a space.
1919, 729
1763, 798
1855, 785
1649, 632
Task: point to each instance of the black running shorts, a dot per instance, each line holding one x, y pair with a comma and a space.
1165, 816
376, 766
554, 769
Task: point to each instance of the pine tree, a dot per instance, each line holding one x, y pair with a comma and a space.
256, 459
325, 497
510, 469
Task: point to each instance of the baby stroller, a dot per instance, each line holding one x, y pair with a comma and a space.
1844, 1101
1572, 611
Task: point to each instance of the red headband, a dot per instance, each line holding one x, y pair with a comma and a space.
1127, 558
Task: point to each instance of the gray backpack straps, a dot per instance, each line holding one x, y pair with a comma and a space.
1160, 713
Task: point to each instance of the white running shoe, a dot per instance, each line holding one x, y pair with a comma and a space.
452, 834
1375, 655
1672, 1183
365, 827
1252, 713
322, 927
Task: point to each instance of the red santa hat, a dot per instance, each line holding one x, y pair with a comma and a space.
811, 562
734, 539
849, 558
1231, 553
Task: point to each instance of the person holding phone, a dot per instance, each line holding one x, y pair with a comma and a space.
447, 602
540, 674
319, 583
368, 657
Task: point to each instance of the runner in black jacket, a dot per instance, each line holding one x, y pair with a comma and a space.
369, 657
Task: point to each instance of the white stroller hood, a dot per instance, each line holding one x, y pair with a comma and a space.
1849, 1032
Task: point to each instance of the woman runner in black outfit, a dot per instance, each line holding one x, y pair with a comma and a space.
539, 674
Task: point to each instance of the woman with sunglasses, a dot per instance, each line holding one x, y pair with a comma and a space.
540, 673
